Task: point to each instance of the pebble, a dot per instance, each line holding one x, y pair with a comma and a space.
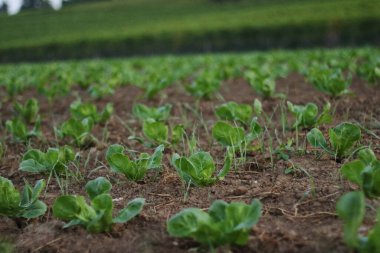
241, 190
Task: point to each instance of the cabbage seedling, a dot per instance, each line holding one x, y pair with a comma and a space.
307, 115
158, 133
96, 217
78, 130
144, 113
232, 111
205, 85
263, 84
29, 111
230, 136
351, 209
365, 172
329, 80
54, 159
224, 223
199, 168
20, 131
134, 170
25, 204
80, 111
343, 138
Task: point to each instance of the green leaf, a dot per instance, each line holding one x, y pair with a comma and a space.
177, 134
257, 107
114, 149
106, 113
343, 137
223, 224
193, 223
9, 198
67, 207
255, 130
325, 117
371, 179
351, 209
103, 206
316, 139
97, 187
228, 135
241, 218
227, 164
352, 171
367, 156
132, 209
155, 161
234, 112
38, 208
29, 111
156, 132
144, 113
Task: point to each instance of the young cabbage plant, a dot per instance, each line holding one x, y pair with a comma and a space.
235, 137
20, 132
134, 170
307, 115
144, 113
157, 133
235, 112
205, 85
343, 138
370, 69
96, 217
351, 209
78, 130
80, 111
29, 111
263, 84
329, 80
199, 168
25, 204
223, 224
54, 159
365, 172
154, 84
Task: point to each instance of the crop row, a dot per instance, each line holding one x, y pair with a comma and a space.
240, 130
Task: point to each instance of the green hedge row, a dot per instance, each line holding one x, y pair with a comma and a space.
328, 34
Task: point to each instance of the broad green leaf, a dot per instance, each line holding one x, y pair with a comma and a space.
38, 208
228, 135
352, 171
177, 134
143, 112
97, 187
155, 161
191, 222
316, 139
343, 137
9, 198
102, 222
232, 111
257, 107
367, 156
351, 209
371, 180
67, 207
156, 132
132, 209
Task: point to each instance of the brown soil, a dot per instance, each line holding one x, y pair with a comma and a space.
299, 208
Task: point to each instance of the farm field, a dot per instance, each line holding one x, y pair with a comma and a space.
131, 27
196, 147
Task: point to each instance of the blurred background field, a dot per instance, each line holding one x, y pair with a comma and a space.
103, 28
